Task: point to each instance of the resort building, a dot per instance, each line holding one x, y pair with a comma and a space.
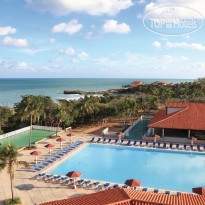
136, 83
120, 196
179, 119
157, 83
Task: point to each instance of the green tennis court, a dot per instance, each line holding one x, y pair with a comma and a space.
139, 130
22, 139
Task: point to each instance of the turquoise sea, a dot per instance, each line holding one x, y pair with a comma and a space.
12, 89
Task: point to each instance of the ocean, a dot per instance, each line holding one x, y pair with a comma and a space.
12, 89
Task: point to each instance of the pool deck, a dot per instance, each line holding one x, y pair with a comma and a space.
33, 191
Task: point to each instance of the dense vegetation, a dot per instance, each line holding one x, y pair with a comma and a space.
43, 110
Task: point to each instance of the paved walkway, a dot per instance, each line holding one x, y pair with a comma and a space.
31, 190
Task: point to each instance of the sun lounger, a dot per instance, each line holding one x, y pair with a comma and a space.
122, 142
96, 184
35, 169
43, 164
171, 146
177, 146
99, 140
156, 190
81, 181
56, 156
116, 141
63, 180
154, 144
158, 144
59, 154
87, 183
48, 177
63, 152
109, 141
192, 147
165, 145
48, 161
104, 140
115, 185
128, 143
56, 178
124, 186
53, 159
106, 185
167, 192
198, 148
135, 143
71, 148
41, 175
74, 144
39, 166
185, 147
144, 189
141, 144
146, 144
204, 148
66, 150
92, 140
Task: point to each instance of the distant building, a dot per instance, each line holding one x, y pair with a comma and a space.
179, 116
136, 83
157, 83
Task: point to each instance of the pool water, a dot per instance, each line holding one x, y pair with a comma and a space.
22, 139
139, 130
154, 168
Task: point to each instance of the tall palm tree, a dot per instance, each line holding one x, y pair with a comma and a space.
8, 159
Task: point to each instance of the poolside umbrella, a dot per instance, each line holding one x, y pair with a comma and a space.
155, 137
192, 140
120, 134
49, 146
133, 182
36, 153
74, 174
199, 190
60, 140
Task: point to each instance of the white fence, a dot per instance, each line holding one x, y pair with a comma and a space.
35, 127
127, 131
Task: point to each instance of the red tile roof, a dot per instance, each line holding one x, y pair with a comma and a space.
190, 117
160, 82
136, 83
121, 196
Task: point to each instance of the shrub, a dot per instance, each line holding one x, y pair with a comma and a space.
16, 200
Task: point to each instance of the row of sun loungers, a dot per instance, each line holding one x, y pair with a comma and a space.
59, 154
149, 144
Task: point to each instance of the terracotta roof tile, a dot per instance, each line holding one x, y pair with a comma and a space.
190, 117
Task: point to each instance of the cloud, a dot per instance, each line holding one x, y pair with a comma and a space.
156, 44
89, 35
56, 60
69, 51
14, 42
92, 7
113, 26
74, 60
7, 30
71, 27
196, 46
83, 55
184, 58
52, 40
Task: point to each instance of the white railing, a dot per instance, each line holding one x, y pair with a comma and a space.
14, 132
34, 127
127, 131
38, 127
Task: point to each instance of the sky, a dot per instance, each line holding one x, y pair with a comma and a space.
96, 39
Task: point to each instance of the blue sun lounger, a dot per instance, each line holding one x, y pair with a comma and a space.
63, 152
35, 169
96, 184
99, 140
140, 143
198, 148
87, 183
48, 177
115, 185
167, 192
156, 190
60, 154
144, 189
52, 159
177, 146
41, 175
192, 147
92, 140
185, 147
154, 144
109, 141
81, 181
56, 156
158, 144
39, 166
171, 146
106, 185
124, 186
122, 142
43, 164
128, 143
135, 143
116, 141
48, 161
165, 145
104, 140
204, 148
147, 144
56, 178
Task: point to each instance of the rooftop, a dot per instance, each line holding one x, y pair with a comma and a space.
120, 196
179, 115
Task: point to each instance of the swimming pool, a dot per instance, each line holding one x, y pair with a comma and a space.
139, 130
22, 139
154, 168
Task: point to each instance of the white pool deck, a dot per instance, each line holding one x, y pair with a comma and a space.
33, 191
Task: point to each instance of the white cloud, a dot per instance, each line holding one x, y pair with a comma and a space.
92, 7
184, 58
156, 44
74, 60
83, 55
196, 46
56, 60
141, 1
71, 27
52, 40
113, 26
69, 51
14, 42
7, 30
88, 35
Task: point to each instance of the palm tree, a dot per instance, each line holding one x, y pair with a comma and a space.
8, 159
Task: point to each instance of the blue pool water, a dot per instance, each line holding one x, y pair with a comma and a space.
154, 168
